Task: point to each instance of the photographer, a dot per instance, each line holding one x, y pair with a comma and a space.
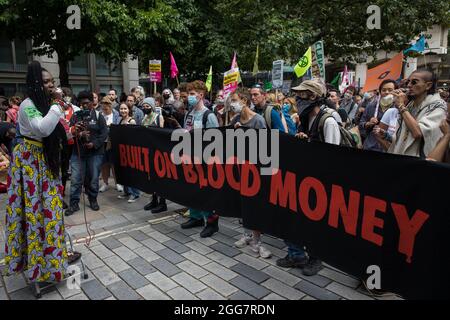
89, 128
169, 113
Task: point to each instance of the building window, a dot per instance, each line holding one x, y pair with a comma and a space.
21, 55
9, 88
14, 89
104, 88
13, 55
77, 88
107, 69
80, 65
6, 55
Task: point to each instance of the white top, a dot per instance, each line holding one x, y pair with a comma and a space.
108, 119
390, 118
330, 130
33, 125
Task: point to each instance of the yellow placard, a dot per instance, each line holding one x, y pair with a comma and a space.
232, 77
155, 67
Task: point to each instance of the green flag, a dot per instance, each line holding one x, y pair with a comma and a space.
209, 80
255, 65
267, 85
336, 80
304, 64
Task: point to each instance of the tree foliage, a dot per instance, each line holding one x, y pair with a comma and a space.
110, 28
201, 33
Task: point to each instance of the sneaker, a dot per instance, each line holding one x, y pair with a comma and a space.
291, 262
313, 266
132, 199
103, 188
243, 241
123, 196
186, 214
119, 187
260, 250
264, 252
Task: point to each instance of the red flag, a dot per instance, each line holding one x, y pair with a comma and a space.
234, 62
173, 67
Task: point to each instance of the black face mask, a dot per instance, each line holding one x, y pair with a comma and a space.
146, 111
305, 107
166, 96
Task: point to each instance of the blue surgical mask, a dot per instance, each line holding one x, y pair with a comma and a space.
192, 101
367, 95
286, 107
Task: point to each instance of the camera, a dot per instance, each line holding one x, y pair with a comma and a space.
83, 117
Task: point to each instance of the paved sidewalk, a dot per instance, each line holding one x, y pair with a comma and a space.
138, 255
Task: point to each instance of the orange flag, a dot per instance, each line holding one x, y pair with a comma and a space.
391, 69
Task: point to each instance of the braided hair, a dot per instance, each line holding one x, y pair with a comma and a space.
41, 99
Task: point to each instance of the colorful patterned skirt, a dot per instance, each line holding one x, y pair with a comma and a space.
35, 242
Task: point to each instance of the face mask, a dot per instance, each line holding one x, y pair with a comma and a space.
236, 107
347, 96
286, 108
192, 101
387, 101
305, 107
166, 96
147, 111
367, 95
67, 99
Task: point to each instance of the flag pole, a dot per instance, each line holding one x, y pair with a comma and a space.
178, 83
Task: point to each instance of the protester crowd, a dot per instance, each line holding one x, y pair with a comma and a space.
408, 117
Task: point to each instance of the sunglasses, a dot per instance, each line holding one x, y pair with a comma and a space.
413, 82
257, 86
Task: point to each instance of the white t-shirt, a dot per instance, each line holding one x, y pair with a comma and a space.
108, 119
330, 130
390, 118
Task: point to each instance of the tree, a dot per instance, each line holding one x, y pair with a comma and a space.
285, 28
342, 24
110, 28
201, 33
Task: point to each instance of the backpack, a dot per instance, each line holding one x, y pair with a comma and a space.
268, 116
204, 118
332, 112
347, 138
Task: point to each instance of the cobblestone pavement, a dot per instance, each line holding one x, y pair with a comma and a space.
138, 255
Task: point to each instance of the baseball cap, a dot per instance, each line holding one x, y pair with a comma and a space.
311, 85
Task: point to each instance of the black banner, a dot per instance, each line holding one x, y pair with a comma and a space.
351, 208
